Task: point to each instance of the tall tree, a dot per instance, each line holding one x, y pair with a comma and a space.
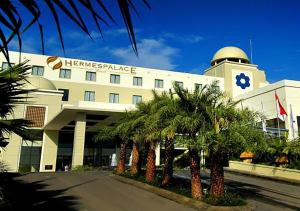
165, 106
193, 122
137, 126
149, 128
119, 133
189, 122
229, 127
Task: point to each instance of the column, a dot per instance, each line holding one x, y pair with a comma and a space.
79, 138
157, 155
49, 151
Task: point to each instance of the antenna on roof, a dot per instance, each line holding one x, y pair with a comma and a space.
251, 59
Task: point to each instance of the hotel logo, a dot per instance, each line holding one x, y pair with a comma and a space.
54, 62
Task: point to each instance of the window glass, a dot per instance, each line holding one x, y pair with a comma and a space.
113, 98
198, 86
65, 73
37, 70
179, 83
89, 96
137, 81
114, 79
5, 65
65, 96
90, 76
217, 88
159, 83
136, 99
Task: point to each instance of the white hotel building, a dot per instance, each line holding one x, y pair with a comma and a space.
74, 97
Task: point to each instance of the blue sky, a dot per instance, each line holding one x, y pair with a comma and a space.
184, 35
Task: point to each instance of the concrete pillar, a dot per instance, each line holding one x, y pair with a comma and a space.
49, 151
157, 155
79, 138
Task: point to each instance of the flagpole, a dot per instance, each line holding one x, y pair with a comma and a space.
277, 116
292, 121
251, 59
264, 126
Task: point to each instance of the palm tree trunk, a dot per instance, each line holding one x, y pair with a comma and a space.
169, 157
217, 177
150, 170
196, 187
134, 169
122, 157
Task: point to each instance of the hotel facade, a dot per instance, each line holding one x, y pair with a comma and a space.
73, 98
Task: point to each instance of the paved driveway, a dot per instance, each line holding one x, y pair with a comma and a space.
86, 191
268, 195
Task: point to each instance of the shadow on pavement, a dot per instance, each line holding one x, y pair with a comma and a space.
254, 192
33, 196
273, 197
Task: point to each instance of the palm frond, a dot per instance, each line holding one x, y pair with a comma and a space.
15, 23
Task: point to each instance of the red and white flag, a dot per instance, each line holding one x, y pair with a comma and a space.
281, 113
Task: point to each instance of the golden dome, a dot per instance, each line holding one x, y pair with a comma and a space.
247, 155
39, 83
231, 54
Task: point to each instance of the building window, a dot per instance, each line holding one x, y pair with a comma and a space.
113, 98
89, 96
36, 116
90, 76
136, 99
217, 88
114, 79
137, 81
5, 65
198, 86
65, 96
37, 70
65, 73
159, 83
179, 83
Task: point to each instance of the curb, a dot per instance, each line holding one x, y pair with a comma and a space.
198, 205
277, 179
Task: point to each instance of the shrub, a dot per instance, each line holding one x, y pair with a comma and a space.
227, 199
83, 168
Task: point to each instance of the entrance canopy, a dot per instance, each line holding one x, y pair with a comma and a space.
97, 114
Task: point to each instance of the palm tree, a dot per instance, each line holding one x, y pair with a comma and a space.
12, 93
119, 133
137, 136
149, 130
193, 122
229, 127
189, 122
165, 106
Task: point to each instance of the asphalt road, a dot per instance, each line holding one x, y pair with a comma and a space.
84, 191
267, 195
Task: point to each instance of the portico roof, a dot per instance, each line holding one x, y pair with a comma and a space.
96, 114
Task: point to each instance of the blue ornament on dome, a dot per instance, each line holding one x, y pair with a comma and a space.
242, 81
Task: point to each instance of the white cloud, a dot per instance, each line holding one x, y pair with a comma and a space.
28, 45
187, 38
153, 53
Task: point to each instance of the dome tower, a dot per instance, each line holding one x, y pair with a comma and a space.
230, 53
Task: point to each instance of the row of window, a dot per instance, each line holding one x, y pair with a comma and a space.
91, 76
90, 96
